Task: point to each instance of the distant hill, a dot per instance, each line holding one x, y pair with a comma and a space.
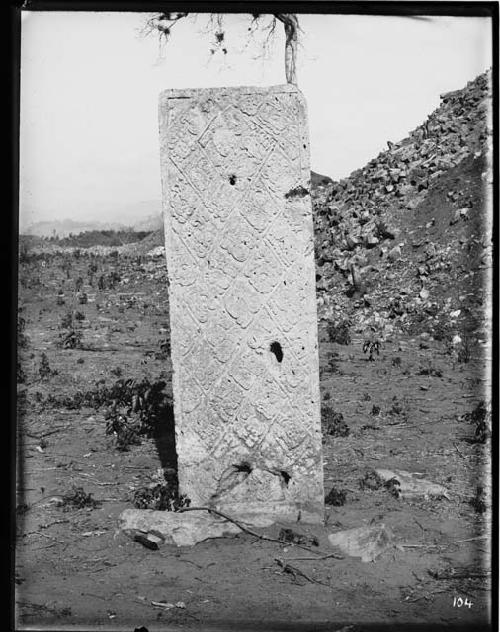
63, 227
145, 216
149, 224
138, 216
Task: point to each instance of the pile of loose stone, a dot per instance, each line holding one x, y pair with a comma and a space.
361, 220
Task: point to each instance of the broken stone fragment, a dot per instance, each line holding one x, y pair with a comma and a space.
370, 240
405, 189
394, 254
352, 241
396, 173
365, 216
364, 542
387, 231
409, 486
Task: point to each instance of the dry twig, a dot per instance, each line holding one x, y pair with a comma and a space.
42, 434
253, 533
44, 535
294, 571
314, 559
49, 524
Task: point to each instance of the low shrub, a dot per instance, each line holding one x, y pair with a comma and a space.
339, 332
333, 423
371, 480
335, 497
162, 496
79, 499
372, 347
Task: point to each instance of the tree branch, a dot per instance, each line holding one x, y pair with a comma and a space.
164, 22
291, 25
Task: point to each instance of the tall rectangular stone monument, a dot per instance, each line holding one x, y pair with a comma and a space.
240, 258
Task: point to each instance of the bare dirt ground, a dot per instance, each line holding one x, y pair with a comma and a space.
73, 568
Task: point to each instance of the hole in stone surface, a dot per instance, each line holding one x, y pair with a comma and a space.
297, 192
243, 467
285, 477
277, 350
232, 179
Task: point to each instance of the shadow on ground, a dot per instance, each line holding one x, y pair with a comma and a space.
164, 438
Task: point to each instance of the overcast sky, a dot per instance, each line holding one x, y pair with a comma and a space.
90, 85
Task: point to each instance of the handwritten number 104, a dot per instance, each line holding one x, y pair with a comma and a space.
458, 602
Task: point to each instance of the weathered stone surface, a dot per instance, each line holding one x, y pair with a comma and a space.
239, 246
364, 542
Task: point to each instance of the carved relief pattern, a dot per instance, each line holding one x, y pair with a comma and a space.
240, 260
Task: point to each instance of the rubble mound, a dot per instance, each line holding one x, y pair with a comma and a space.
403, 242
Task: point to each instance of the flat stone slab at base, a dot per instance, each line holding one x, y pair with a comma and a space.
186, 529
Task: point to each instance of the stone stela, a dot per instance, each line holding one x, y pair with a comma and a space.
240, 257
